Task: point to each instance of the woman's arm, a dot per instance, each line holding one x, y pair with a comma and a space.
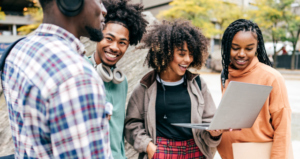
281, 119
281, 122
208, 114
135, 132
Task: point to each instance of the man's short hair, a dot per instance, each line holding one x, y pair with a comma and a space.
44, 3
130, 15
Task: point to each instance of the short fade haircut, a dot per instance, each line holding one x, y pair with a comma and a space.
124, 12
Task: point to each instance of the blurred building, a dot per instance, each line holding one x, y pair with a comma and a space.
15, 18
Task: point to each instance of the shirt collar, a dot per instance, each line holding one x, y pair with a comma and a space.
51, 29
150, 77
169, 83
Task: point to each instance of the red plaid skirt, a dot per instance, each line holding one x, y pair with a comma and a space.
171, 149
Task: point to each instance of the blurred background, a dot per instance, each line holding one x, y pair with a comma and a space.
279, 21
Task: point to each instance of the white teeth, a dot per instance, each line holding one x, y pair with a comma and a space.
111, 55
183, 66
240, 61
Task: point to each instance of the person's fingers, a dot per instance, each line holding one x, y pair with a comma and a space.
108, 117
229, 130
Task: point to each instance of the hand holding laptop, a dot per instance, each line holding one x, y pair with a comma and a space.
226, 130
238, 109
216, 133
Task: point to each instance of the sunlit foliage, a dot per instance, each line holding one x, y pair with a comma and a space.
204, 14
2, 15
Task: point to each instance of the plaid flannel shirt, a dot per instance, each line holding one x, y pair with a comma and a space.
56, 100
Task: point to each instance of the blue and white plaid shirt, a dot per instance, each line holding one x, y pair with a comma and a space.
55, 98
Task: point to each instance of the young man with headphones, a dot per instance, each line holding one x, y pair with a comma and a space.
55, 98
125, 26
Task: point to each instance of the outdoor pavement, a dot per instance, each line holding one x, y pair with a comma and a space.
292, 83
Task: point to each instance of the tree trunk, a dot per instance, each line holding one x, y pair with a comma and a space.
274, 45
293, 57
294, 51
274, 56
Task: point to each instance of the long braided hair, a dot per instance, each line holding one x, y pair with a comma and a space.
232, 29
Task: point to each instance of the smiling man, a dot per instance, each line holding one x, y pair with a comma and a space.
125, 26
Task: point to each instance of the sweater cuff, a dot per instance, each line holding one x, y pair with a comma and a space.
145, 144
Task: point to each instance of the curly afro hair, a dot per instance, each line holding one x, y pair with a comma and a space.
164, 37
130, 15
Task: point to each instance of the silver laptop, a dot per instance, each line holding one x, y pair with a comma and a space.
238, 108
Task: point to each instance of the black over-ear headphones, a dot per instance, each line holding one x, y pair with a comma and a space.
70, 7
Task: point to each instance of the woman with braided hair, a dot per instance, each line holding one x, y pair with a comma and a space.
244, 59
172, 94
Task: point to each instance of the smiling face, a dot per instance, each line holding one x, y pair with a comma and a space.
181, 61
114, 44
243, 49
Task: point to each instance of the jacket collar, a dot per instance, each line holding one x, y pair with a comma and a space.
150, 78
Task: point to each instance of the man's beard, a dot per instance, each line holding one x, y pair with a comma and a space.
95, 34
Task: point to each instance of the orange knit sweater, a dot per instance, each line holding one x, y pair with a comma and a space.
273, 123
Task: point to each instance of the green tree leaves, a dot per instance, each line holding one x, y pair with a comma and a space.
2, 15
204, 13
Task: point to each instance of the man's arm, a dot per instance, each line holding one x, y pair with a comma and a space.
79, 128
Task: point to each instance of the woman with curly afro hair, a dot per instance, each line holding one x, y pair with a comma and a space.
172, 94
